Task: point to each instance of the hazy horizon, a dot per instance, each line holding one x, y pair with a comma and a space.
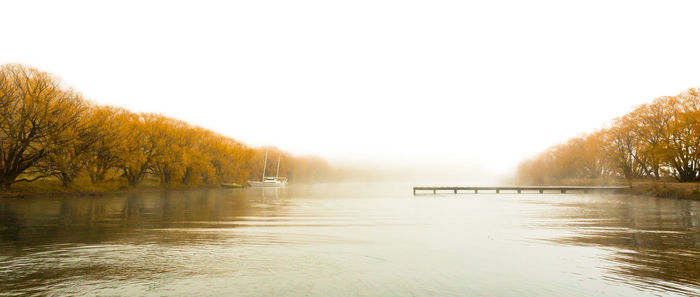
464, 89
350, 148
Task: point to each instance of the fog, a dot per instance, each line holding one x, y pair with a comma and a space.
422, 172
448, 90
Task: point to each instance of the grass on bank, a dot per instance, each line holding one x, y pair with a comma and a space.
690, 190
667, 188
84, 186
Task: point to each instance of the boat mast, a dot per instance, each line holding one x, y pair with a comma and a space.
278, 165
264, 165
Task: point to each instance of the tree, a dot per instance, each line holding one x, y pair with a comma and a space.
622, 149
683, 137
658, 139
50, 131
65, 161
103, 156
35, 113
137, 147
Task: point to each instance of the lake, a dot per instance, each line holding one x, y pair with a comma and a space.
373, 239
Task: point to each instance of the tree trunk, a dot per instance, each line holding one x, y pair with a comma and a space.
7, 181
66, 179
98, 176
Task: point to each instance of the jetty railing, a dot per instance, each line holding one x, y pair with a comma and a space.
521, 189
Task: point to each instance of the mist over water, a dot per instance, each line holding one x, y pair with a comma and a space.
417, 172
353, 239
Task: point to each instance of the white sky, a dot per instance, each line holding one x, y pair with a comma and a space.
472, 84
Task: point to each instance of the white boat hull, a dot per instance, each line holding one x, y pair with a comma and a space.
259, 184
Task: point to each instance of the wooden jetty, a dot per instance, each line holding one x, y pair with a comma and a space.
521, 189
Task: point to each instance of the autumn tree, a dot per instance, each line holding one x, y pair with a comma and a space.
103, 156
67, 159
682, 150
168, 138
622, 150
48, 131
655, 140
137, 147
35, 114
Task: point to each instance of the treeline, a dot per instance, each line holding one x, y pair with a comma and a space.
657, 140
49, 131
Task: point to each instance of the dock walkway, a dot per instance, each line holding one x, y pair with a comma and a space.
521, 189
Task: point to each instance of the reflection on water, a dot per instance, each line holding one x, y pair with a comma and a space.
350, 240
655, 242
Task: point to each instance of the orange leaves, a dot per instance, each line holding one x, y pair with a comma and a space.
37, 118
658, 139
47, 130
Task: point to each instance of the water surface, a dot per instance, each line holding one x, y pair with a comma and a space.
349, 240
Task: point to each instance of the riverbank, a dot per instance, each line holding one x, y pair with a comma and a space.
666, 190
52, 187
82, 187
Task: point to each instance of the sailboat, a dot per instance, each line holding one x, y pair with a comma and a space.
269, 181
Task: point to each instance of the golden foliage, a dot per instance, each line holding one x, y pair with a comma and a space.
655, 140
48, 131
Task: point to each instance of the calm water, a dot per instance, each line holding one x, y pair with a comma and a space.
349, 240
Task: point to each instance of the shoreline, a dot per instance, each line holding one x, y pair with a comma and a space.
669, 190
20, 194
685, 191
